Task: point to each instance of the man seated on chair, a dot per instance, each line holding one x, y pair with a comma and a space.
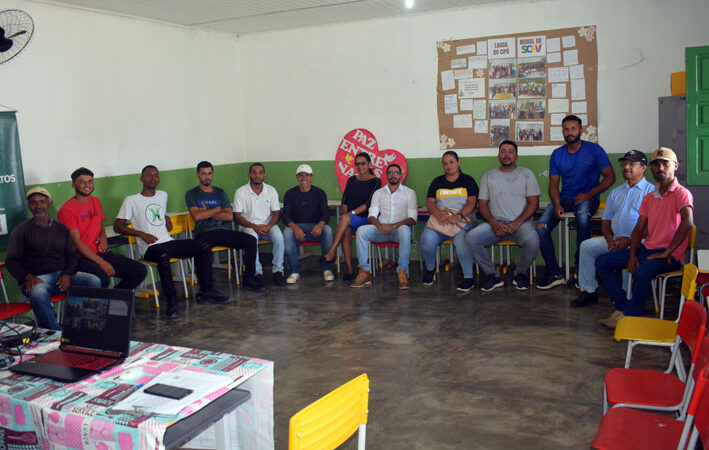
42, 257
151, 226
257, 210
391, 214
211, 210
83, 215
665, 220
305, 216
509, 197
619, 219
578, 165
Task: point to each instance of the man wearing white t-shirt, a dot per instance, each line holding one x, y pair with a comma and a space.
257, 210
151, 227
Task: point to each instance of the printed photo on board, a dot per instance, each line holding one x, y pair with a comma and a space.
532, 88
502, 89
530, 109
499, 131
532, 67
502, 68
530, 131
501, 109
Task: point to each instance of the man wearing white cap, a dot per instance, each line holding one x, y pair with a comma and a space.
305, 216
665, 219
43, 258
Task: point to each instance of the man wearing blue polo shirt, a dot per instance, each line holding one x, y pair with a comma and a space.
619, 219
578, 165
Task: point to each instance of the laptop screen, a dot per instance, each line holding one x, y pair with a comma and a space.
98, 319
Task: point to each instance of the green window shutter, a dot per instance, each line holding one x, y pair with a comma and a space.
697, 65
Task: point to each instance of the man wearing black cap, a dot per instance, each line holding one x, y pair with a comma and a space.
619, 219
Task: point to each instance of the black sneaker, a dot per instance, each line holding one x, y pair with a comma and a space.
278, 279
171, 310
348, 277
253, 283
427, 277
521, 282
212, 296
585, 299
552, 281
491, 283
466, 285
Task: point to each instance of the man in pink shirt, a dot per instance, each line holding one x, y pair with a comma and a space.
666, 217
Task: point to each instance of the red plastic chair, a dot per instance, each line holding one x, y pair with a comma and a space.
9, 310
631, 429
662, 391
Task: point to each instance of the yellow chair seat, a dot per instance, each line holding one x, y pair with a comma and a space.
645, 329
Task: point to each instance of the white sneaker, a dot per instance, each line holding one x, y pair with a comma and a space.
328, 275
292, 278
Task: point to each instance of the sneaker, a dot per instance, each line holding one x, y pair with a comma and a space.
328, 275
171, 310
521, 282
278, 279
492, 282
364, 278
428, 277
466, 285
552, 281
403, 279
212, 296
293, 278
585, 299
253, 283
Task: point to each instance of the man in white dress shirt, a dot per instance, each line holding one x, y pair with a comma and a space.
391, 215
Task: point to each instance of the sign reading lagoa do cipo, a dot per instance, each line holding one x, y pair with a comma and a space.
362, 140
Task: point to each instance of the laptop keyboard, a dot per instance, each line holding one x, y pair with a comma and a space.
77, 360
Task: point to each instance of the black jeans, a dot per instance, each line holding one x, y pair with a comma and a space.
130, 271
182, 248
234, 239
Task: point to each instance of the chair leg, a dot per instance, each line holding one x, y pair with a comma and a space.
361, 436
236, 266
155, 289
184, 280
605, 400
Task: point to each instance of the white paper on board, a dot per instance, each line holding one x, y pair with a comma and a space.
462, 74
499, 122
571, 57
481, 126
555, 134
465, 49
463, 121
558, 74
460, 63
466, 104
576, 72
578, 89
480, 109
530, 46
584, 119
482, 48
568, 41
553, 45
501, 48
477, 62
558, 90
556, 118
447, 80
472, 88
553, 57
579, 108
558, 105
450, 103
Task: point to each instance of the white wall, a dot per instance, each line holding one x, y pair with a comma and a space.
114, 94
304, 89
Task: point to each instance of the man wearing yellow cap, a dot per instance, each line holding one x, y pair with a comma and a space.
43, 259
664, 221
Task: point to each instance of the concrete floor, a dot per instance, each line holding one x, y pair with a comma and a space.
503, 370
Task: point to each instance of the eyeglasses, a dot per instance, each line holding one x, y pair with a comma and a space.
394, 172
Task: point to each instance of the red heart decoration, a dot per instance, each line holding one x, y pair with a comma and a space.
362, 140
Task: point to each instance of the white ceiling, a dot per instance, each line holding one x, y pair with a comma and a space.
250, 16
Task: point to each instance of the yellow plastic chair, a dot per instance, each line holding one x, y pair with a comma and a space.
332, 419
657, 332
659, 283
507, 245
451, 253
220, 248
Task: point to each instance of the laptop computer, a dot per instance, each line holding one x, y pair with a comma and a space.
95, 335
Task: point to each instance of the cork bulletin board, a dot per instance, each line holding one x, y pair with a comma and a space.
516, 86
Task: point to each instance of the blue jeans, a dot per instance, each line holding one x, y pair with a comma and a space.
41, 295
370, 233
482, 236
325, 240
430, 239
275, 236
647, 269
582, 215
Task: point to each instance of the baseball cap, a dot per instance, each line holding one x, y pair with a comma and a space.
38, 190
304, 168
664, 153
635, 156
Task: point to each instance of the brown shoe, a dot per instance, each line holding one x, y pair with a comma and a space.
611, 321
403, 280
364, 278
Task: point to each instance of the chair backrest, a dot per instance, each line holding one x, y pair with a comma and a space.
692, 323
699, 409
689, 281
332, 419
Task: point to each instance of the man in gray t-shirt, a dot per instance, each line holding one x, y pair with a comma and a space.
509, 196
